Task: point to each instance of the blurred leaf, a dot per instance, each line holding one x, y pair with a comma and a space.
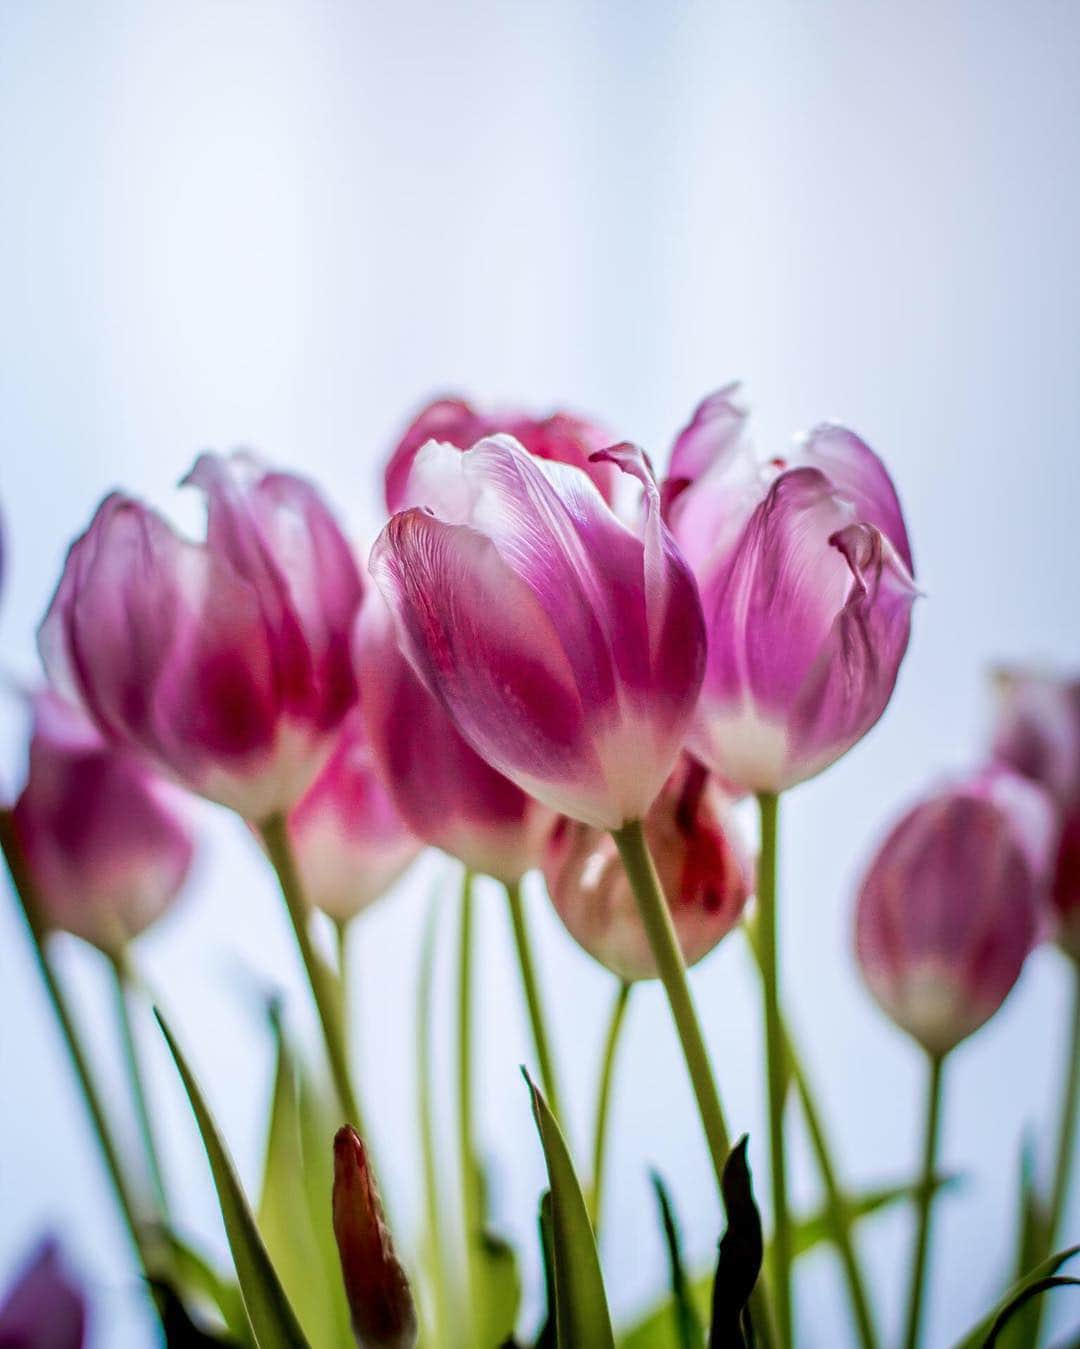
581, 1310
688, 1328
272, 1318
502, 1284
978, 1337
1032, 1291
656, 1329
806, 1233
198, 1279
181, 1332
741, 1252
1032, 1244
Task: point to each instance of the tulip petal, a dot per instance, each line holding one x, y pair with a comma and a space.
44, 1310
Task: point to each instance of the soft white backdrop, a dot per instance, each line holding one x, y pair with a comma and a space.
286, 225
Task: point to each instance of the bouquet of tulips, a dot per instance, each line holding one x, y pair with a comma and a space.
551, 660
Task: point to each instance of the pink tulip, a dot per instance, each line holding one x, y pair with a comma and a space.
567, 649
227, 662
805, 574
952, 903
43, 1309
700, 860
349, 842
560, 437
446, 793
1038, 734
105, 841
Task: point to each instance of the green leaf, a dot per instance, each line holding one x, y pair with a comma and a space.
180, 1330
1032, 1244
546, 1337
811, 1231
199, 1280
1032, 1291
497, 1318
741, 1252
581, 1310
978, 1336
272, 1318
656, 1329
688, 1327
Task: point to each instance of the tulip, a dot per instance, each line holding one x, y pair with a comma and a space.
105, 843
380, 1302
349, 841
567, 650
806, 580
226, 662
1038, 734
703, 872
43, 1309
560, 437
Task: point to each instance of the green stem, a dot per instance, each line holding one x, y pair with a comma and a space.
603, 1100
123, 989
470, 1179
1070, 1101
434, 1234
925, 1201
532, 999
326, 993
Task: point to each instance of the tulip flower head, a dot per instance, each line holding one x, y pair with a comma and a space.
447, 795
560, 437
951, 905
380, 1301
567, 649
349, 842
227, 663
105, 841
703, 870
43, 1309
1038, 734
806, 581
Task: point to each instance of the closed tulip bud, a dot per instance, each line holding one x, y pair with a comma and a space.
952, 903
805, 574
380, 1302
348, 839
699, 858
567, 648
43, 1309
1038, 734
227, 663
560, 437
447, 795
104, 840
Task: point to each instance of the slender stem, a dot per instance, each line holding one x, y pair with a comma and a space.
123, 991
1070, 1101
603, 1099
925, 1202
434, 1234
341, 941
326, 994
768, 805
470, 1180
531, 989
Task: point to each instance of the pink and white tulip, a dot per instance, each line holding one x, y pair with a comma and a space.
560, 437
446, 793
348, 839
105, 841
952, 904
227, 663
804, 568
700, 859
567, 649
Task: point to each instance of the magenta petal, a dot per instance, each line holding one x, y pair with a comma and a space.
710, 439
44, 1309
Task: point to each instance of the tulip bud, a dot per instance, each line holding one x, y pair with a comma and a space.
805, 574
445, 792
951, 905
560, 437
227, 662
567, 649
699, 858
43, 1309
105, 842
349, 842
381, 1304
1038, 734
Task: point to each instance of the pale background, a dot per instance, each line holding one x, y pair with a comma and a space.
287, 225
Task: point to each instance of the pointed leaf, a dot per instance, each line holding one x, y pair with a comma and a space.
1032, 1291
977, 1337
688, 1328
741, 1252
581, 1310
198, 1279
272, 1318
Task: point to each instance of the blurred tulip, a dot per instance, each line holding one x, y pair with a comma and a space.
699, 858
805, 574
567, 649
952, 903
227, 663
560, 437
43, 1309
380, 1302
1038, 734
445, 792
104, 840
349, 842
